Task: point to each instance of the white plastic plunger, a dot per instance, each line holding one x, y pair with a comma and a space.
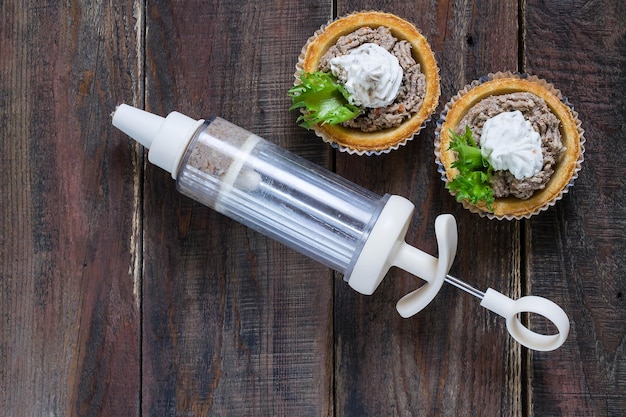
386, 248
316, 212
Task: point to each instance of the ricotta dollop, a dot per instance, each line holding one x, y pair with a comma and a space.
370, 74
509, 142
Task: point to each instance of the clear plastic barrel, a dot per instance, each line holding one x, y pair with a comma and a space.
279, 194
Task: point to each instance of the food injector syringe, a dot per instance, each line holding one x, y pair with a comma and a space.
316, 212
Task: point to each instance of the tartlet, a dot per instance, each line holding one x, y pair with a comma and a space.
353, 140
568, 162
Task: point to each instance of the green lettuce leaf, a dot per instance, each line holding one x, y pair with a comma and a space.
324, 100
473, 181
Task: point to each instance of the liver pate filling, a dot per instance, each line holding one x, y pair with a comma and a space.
543, 121
412, 90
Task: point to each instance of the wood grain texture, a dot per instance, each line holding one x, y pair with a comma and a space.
120, 297
70, 334
453, 358
234, 324
577, 251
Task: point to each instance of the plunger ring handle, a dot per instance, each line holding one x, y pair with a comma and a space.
510, 310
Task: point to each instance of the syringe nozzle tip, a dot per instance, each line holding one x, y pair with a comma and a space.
138, 124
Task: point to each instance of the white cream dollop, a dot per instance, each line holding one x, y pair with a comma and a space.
370, 74
509, 142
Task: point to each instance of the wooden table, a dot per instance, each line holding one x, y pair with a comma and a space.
120, 297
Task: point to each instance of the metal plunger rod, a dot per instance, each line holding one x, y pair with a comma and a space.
464, 286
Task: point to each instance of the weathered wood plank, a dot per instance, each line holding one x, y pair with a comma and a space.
234, 324
69, 310
577, 250
454, 358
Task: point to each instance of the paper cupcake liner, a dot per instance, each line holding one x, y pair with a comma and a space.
494, 76
319, 132
360, 152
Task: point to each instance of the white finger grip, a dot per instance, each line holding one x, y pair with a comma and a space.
410, 259
386, 247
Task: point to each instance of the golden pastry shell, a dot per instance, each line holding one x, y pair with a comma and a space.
572, 136
353, 140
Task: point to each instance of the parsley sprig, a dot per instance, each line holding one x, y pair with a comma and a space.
472, 182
